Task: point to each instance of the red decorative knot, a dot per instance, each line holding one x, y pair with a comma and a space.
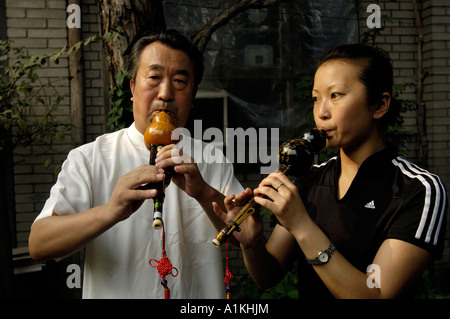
228, 277
164, 266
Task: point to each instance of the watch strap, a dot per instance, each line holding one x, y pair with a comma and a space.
320, 261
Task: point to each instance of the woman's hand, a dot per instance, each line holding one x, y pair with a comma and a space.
251, 229
283, 199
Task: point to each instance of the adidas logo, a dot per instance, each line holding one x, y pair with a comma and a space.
370, 205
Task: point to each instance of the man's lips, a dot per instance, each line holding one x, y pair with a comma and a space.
169, 112
173, 115
163, 110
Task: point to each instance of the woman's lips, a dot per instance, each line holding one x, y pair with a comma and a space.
326, 130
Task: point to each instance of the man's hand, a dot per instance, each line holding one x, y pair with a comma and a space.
126, 199
186, 174
60, 235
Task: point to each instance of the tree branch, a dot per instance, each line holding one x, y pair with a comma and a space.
202, 37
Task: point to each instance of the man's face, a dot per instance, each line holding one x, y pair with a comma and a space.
164, 82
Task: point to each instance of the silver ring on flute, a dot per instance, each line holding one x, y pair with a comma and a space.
279, 185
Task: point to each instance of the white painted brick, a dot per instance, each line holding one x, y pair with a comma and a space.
46, 13
48, 33
57, 4
16, 33
25, 3
15, 13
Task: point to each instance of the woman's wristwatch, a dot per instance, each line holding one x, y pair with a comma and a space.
322, 256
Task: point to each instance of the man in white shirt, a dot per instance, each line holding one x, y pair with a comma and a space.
95, 203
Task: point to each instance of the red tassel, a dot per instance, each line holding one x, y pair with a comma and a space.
166, 290
164, 268
228, 274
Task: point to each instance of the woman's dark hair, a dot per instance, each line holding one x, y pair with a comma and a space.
174, 40
376, 75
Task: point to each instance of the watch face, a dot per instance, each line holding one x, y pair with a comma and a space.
323, 257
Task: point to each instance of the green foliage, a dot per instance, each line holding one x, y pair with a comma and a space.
285, 289
394, 133
22, 93
121, 112
370, 36
243, 287
427, 288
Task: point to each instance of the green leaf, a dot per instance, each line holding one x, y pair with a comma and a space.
22, 124
293, 294
48, 162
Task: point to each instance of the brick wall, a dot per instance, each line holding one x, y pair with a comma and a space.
97, 98
437, 98
39, 26
400, 37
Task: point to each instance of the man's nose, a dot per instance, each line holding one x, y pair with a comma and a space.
165, 92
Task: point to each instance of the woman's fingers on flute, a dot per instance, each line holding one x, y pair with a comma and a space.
273, 184
233, 203
267, 203
229, 202
243, 197
219, 212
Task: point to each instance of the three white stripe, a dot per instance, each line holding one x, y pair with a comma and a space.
434, 187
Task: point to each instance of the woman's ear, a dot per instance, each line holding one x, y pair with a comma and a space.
382, 108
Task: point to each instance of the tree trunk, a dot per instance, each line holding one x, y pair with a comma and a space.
132, 19
77, 85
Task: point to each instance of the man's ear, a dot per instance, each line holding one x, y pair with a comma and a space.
194, 94
383, 107
132, 88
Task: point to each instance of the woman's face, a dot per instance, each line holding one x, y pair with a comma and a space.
340, 105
